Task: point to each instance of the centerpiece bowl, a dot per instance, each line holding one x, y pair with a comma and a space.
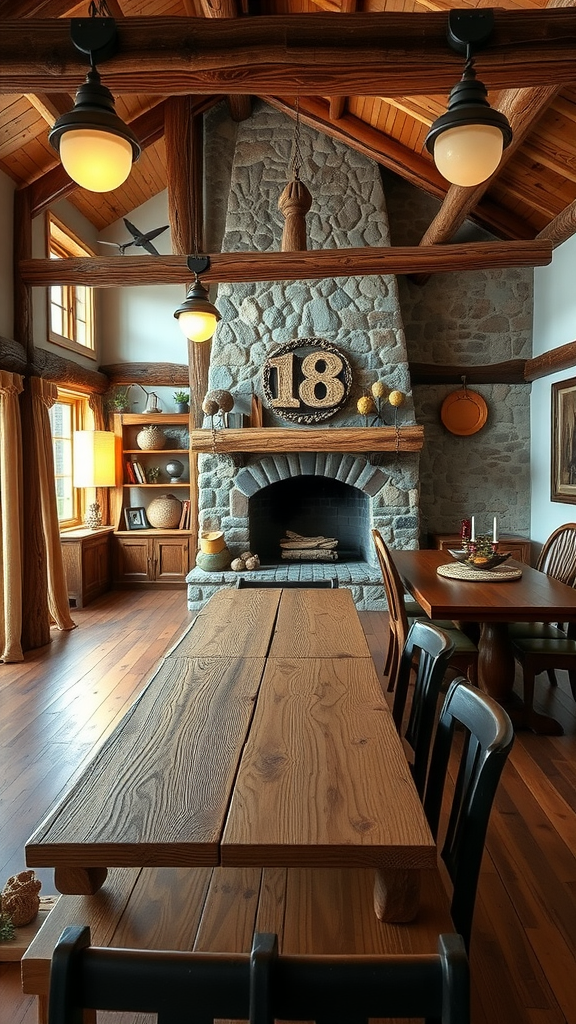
479, 560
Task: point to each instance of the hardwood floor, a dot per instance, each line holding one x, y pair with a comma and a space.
64, 699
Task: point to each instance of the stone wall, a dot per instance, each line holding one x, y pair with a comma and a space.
471, 318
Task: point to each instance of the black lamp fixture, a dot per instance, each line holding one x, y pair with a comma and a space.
468, 140
197, 316
96, 147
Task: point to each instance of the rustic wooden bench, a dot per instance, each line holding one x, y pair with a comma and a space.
312, 910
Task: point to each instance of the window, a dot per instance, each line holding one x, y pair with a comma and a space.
70, 307
66, 416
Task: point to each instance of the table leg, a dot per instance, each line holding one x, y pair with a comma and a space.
396, 895
79, 881
496, 664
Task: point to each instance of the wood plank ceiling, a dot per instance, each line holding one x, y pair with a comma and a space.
531, 194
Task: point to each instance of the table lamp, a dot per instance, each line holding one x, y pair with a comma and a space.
94, 466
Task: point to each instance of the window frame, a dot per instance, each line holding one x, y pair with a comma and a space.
79, 421
64, 244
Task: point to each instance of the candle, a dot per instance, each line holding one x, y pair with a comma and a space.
472, 529
495, 532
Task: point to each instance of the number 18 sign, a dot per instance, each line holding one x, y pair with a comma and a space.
306, 380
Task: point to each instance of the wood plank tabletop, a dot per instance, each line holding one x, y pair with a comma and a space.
232, 624
157, 792
323, 779
327, 626
532, 598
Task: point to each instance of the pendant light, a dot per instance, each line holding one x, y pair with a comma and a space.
96, 147
468, 140
197, 316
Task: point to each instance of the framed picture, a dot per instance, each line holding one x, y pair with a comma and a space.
136, 519
563, 461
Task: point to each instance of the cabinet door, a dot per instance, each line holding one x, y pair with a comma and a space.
170, 559
95, 566
133, 556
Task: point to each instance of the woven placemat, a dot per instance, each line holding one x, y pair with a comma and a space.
459, 571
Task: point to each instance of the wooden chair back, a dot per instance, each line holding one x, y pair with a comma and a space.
486, 735
430, 650
398, 619
558, 555
198, 988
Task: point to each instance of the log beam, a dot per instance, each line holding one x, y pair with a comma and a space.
375, 54
511, 372
149, 374
561, 358
561, 228
114, 271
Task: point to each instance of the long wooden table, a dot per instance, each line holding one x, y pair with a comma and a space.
263, 739
534, 597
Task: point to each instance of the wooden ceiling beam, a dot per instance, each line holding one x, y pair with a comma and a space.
118, 271
561, 228
390, 53
51, 105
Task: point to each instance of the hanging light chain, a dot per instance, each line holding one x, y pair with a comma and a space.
296, 151
98, 9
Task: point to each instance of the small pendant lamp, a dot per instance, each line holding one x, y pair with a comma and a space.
197, 317
468, 140
96, 147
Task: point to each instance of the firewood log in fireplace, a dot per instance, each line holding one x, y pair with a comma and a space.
297, 548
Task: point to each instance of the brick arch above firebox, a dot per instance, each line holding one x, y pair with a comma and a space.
349, 469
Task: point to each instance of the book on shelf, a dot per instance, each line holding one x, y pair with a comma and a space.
139, 472
185, 517
130, 472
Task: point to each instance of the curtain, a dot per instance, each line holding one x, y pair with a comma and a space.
44, 395
11, 384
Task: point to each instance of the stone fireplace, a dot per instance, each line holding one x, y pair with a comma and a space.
255, 498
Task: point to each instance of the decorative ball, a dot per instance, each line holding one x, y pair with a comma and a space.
209, 406
395, 398
150, 438
246, 555
164, 512
224, 400
174, 468
19, 898
365, 405
253, 563
379, 389
238, 564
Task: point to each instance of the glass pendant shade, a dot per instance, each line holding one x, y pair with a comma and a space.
96, 147
469, 154
197, 317
96, 160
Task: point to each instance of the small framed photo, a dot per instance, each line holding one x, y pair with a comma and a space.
136, 519
563, 461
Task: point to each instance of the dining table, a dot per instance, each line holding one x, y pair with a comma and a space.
262, 739
491, 600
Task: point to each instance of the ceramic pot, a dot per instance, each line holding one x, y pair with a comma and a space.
164, 512
182, 407
212, 542
151, 438
213, 563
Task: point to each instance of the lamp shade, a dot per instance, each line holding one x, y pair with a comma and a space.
96, 147
94, 458
197, 316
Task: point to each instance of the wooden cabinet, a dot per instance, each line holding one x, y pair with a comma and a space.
143, 559
144, 555
519, 547
87, 564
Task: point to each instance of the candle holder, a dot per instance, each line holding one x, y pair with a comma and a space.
481, 553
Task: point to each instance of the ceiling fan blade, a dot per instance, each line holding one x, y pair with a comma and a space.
131, 228
156, 232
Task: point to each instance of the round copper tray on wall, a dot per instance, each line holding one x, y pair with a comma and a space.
464, 412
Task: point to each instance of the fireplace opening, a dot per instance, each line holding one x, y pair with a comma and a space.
311, 506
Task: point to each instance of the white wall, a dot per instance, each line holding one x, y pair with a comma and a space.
7, 188
138, 324
554, 325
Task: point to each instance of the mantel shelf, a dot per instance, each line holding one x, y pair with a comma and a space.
313, 439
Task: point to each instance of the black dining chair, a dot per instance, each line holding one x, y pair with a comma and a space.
426, 655
243, 584
486, 735
197, 988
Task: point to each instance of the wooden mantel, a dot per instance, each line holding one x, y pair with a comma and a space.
255, 440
